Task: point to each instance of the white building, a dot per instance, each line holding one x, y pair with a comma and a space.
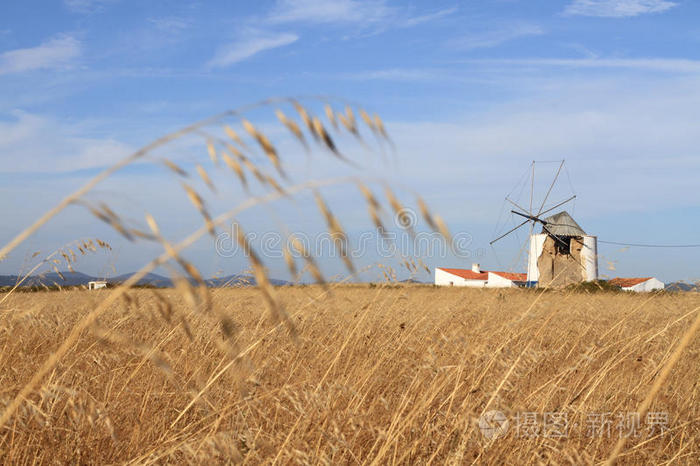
477, 278
97, 285
638, 284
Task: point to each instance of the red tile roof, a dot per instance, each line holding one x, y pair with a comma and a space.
484, 275
466, 273
516, 277
627, 282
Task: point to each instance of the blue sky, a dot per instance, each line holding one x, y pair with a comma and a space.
471, 92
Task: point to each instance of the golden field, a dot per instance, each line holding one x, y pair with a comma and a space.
370, 375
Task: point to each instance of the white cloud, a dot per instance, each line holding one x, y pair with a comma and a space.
617, 8
330, 11
32, 143
495, 37
54, 53
247, 47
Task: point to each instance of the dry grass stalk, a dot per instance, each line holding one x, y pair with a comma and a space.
236, 167
425, 212
109, 217
263, 282
308, 259
373, 208
211, 150
293, 127
290, 262
205, 177
230, 132
325, 137
340, 239
305, 117
266, 145
330, 114
402, 216
197, 201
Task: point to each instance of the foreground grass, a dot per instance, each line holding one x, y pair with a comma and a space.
374, 375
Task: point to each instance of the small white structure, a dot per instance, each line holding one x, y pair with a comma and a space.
477, 278
638, 284
97, 285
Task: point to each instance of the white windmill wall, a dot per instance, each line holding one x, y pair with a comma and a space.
589, 257
536, 247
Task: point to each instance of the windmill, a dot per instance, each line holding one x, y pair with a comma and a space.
562, 253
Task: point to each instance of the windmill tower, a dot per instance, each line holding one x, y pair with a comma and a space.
562, 253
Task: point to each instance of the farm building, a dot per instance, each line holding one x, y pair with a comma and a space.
478, 278
638, 284
562, 253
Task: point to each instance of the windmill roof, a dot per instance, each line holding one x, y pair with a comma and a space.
562, 224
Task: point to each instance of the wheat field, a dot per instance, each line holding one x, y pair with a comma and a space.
372, 374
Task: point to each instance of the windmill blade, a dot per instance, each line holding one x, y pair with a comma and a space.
509, 232
558, 205
529, 217
539, 212
517, 206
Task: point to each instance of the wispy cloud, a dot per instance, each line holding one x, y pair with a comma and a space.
669, 65
617, 8
495, 37
54, 147
171, 24
54, 53
363, 13
330, 11
252, 45
394, 74
420, 19
86, 6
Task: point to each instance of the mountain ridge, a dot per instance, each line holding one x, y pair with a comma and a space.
76, 278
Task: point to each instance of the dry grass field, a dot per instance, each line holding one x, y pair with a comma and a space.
382, 374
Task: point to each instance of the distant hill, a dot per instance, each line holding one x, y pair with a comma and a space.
150, 279
681, 286
69, 279
241, 280
414, 280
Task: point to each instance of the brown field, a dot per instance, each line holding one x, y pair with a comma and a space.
374, 375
